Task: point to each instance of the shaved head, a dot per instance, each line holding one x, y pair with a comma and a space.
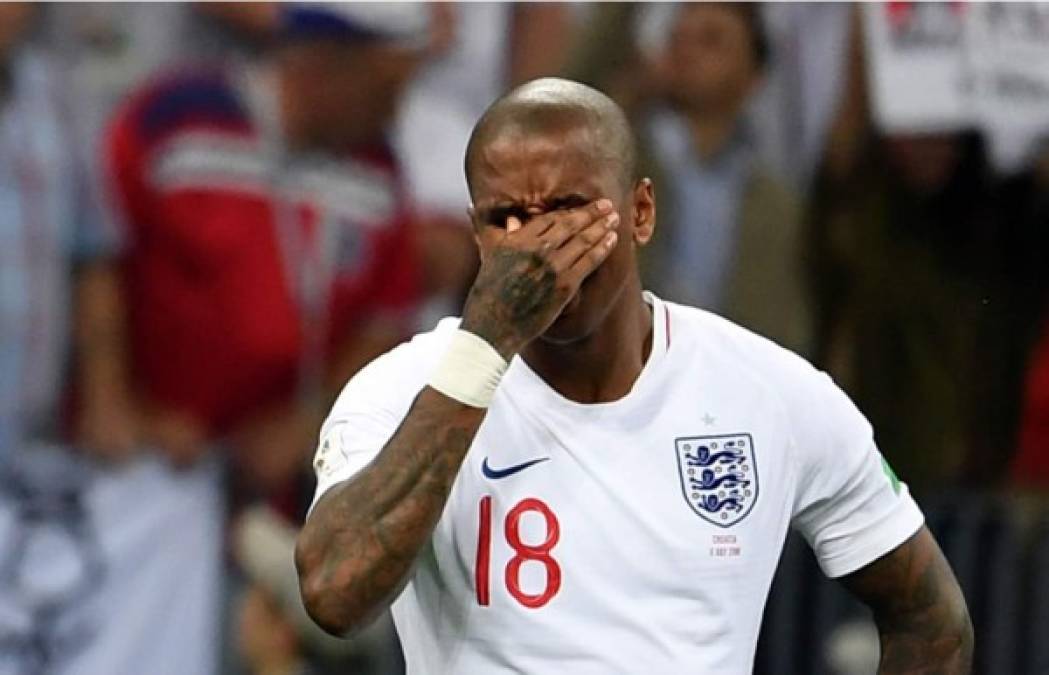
553, 105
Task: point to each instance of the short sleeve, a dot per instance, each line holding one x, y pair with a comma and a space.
361, 422
372, 405
849, 505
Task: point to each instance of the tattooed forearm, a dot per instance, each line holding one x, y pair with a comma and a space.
357, 548
919, 609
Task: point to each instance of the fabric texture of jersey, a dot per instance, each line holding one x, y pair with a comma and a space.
639, 535
221, 224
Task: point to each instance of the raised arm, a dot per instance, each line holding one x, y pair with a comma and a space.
919, 609
357, 548
360, 541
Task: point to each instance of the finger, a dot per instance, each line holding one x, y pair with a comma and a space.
591, 260
557, 227
569, 223
575, 247
567, 236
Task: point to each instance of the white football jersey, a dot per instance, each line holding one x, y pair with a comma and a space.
637, 536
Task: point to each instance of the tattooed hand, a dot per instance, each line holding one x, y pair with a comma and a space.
533, 270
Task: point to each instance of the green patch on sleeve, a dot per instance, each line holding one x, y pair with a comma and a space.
891, 474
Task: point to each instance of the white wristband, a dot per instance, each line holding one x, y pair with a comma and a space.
470, 371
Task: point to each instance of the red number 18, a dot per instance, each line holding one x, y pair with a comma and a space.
522, 552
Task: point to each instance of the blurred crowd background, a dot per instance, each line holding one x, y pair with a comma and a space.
212, 214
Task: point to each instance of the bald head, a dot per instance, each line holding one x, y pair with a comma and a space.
551, 106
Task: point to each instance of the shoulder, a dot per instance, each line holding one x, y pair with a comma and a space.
737, 354
186, 129
730, 343
183, 99
823, 425
399, 374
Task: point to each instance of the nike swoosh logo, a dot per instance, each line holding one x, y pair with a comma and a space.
496, 474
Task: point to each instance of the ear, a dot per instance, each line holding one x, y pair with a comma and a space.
644, 211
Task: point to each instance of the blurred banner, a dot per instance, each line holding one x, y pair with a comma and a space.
946, 66
918, 74
1009, 48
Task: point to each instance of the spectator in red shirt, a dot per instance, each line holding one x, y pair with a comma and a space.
269, 251
1025, 201
1031, 465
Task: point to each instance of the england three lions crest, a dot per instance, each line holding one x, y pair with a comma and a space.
719, 476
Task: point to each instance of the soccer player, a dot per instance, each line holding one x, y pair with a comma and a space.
577, 477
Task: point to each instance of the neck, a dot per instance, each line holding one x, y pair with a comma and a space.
711, 130
604, 366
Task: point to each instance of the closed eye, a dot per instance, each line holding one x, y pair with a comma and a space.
572, 201
498, 215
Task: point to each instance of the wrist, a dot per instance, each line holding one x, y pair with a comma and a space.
507, 345
470, 370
